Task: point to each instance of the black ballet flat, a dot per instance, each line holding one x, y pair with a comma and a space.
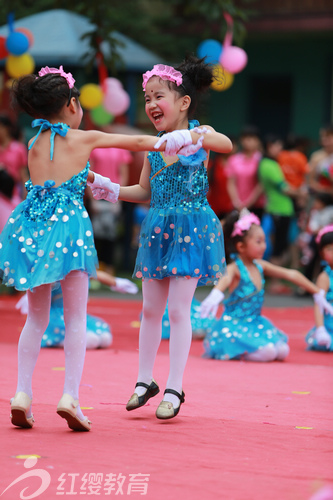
166, 410
136, 401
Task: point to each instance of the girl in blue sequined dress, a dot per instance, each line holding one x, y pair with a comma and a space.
181, 239
242, 332
320, 337
49, 238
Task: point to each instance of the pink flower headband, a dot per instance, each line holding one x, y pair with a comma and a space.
60, 71
244, 224
324, 230
164, 72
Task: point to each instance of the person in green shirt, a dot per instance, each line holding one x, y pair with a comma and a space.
279, 203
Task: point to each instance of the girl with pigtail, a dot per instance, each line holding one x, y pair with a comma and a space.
181, 239
242, 332
48, 238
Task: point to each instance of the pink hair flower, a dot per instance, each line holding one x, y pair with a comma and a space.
68, 76
165, 72
244, 224
324, 230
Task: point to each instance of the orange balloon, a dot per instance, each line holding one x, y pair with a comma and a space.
222, 78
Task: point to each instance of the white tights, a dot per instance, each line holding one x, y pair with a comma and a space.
269, 352
75, 294
179, 294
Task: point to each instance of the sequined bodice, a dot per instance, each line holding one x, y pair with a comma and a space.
329, 296
181, 184
246, 300
42, 201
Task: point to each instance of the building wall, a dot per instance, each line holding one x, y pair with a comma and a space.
286, 86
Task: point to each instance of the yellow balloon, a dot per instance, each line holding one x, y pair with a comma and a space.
91, 96
222, 78
17, 66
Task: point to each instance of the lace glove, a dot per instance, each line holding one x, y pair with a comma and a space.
104, 189
174, 141
322, 303
124, 286
22, 304
211, 303
323, 337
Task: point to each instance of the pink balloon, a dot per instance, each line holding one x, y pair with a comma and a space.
116, 101
233, 59
110, 84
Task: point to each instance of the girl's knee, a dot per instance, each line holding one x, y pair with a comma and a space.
282, 349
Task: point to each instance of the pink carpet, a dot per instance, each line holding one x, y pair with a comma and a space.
247, 431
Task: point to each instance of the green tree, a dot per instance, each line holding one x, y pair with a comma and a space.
170, 28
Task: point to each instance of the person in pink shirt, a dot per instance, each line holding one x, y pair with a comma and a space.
112, 163
241, 170
13, 169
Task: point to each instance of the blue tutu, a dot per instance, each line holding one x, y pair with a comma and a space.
242, 329
48, 235
181, 236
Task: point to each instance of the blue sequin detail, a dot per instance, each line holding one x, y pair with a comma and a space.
242, 329
48, 235
181, 235
328, 319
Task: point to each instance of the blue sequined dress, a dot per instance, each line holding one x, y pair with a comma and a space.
181, 235
242, 329
49, 234
328, 319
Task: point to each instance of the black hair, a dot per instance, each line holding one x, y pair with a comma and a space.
6, 122
268, 140
327, 128
249, 131
326, 239
197, 77
325, 198
42, 96
228, 227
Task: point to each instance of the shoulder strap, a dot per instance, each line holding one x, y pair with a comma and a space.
56, 128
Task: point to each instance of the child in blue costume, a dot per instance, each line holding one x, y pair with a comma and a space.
320, 337
242, 332
49, 238
181, 239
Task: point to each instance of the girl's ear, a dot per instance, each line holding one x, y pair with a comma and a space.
240, 246
73, 105
186, 102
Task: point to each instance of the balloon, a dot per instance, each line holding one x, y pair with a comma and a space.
211, 49
3, 48
111, 84
17, 43
17, 66
91, 96
222, 79
28, 34
100, 116
116, 102
233, 59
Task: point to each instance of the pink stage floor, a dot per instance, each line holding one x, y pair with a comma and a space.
247, 431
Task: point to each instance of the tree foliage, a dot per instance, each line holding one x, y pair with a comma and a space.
169, 28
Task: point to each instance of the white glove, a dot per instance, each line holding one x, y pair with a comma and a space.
323, 337
211, 303
174, 141
322, 303
22, 304
104, 189
124, 286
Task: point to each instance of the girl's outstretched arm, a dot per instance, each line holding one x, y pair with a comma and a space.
210, 304
291, 275
213, 141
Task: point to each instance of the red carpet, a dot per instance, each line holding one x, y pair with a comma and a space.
247, 431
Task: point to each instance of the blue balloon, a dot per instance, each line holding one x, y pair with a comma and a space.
17, 43
211, 49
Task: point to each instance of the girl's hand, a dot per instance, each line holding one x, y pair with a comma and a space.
323, 337
104, 189
211, 303
322, 303
124, 285
174, 141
